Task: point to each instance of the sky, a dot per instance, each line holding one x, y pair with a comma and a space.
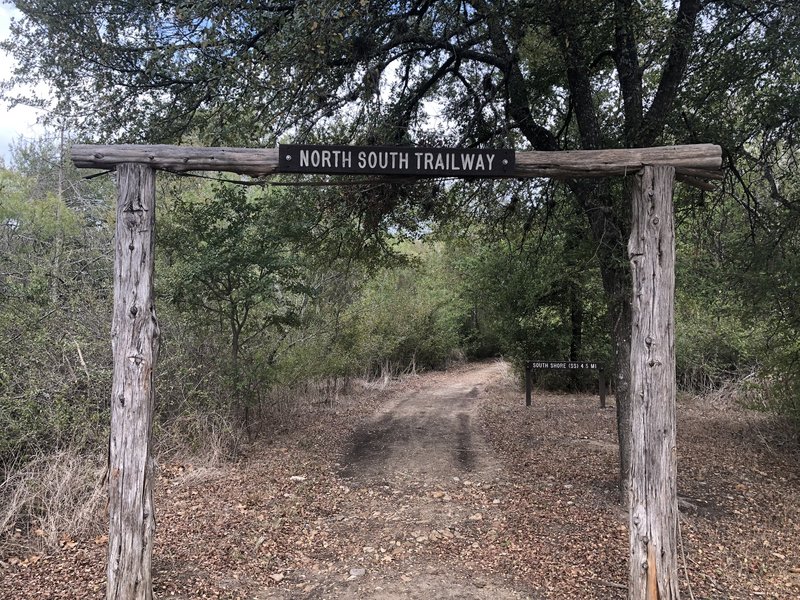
21, 120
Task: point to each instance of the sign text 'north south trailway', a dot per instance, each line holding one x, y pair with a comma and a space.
394, 160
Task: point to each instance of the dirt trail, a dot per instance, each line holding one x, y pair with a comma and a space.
423, 482
401, 504
428, 434
410, 501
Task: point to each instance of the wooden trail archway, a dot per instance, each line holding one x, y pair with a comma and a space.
653, 566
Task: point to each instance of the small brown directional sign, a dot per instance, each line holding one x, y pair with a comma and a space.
395, 160
564, 364
551, 364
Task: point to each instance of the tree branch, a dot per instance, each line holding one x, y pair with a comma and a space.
629, 72
580, 88
682, 34
516, 89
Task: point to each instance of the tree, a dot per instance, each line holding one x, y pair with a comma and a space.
408, 317
532, 279
230, 262
548, 75
55, 272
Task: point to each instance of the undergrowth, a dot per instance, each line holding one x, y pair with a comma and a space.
50, 499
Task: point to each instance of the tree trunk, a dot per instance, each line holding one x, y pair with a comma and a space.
240, 406
617, 285
653, 505
58, 243
609, 221
575, 294
576, 321
134, 339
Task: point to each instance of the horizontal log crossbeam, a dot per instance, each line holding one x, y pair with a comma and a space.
694, 164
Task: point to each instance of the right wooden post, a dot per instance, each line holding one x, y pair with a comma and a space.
653, 501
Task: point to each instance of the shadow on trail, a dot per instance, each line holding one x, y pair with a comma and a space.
428, 434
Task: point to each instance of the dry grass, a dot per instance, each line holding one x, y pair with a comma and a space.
207, 437
558, 528
51, 499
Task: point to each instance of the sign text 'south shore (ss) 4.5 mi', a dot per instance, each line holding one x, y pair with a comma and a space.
550, 364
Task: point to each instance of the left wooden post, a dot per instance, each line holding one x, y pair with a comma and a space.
528, 383
134, 340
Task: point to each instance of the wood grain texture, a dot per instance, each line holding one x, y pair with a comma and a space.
257, 162
134, 339
653, 500
603, 163
696, 162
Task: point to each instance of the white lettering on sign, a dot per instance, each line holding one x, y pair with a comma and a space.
448, 161
325, 159
461, 161
563, 365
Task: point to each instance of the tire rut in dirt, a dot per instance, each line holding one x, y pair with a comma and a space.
465, 453
428, 434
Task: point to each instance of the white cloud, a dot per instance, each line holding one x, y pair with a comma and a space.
20, 120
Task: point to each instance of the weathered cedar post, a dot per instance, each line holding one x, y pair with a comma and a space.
528, 383
652, 496
134, 340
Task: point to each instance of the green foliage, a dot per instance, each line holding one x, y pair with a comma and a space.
547, 76
714, 343
266, 287
737, 277
229, 264
533, 289
408, 318
779, 390
380, 323
55, 277
712, 350
765, 266
501, 72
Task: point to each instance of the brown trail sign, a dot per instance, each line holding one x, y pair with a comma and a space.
565, 365
653, 502
395, 160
